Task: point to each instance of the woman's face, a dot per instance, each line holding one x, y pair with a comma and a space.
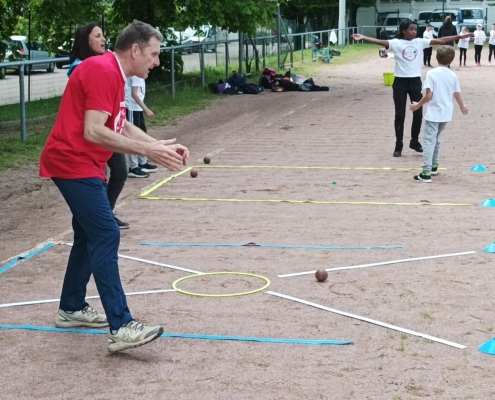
97, 41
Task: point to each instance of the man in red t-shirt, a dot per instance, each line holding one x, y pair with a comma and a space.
91, 125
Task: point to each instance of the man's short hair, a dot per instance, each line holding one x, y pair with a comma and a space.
429, 25
138, 33
445, 55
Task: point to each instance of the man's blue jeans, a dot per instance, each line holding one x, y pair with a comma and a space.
95, 250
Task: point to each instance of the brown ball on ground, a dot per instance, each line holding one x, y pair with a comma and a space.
321, 275
194, 173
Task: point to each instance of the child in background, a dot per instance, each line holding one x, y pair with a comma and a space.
463, 45
428, 34
135, 90
491, 44
441, 85
479, 39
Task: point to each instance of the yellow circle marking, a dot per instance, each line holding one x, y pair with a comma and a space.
174, 285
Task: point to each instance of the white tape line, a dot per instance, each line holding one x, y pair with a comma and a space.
380, 263
155, 263
371, 321
29, 303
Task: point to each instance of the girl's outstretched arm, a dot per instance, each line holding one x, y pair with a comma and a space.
447, 39
379, 42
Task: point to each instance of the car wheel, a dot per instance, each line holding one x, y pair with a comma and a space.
59, 65
3, 72
51, 67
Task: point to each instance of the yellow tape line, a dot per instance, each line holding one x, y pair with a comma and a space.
306, 201
165, 181
303, 167
267, 283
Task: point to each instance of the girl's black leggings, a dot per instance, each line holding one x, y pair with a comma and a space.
491, 47
477, 53
402, 88
463, 52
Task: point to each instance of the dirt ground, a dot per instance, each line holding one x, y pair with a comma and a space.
349, 126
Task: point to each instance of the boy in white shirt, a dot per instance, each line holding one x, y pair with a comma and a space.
441, 85
135, 89
428, 34
491, 44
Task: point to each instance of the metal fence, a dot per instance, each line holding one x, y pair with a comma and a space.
245, 54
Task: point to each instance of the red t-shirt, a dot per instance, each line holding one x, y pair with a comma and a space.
98, 84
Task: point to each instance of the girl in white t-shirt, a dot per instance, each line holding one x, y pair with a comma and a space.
463, 46
407, 77
491, 45
479, 39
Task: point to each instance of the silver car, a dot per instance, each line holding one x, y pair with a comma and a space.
19, 49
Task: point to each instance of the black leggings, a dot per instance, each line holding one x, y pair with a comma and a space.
401, 88
427, 55
463, 52
477, 53
118, 175
491, 47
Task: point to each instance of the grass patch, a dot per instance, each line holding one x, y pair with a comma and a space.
34, 109
14, 152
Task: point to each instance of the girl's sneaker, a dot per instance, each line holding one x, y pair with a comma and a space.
423, 178
434, 169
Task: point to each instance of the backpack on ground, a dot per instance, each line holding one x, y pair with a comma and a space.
250, 88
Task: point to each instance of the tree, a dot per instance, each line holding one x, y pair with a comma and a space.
232, 15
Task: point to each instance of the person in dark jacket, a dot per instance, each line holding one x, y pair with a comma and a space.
447, 29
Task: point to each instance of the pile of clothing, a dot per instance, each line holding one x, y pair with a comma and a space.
289, 82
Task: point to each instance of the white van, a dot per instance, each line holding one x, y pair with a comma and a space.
392, 23
472, 17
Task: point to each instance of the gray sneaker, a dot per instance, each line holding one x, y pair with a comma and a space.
86, 318
133, 334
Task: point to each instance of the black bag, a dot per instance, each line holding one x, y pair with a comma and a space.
265, 82
250, 88
229, 91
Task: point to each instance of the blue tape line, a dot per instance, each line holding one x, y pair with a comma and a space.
25, 257
179, 335
280, 246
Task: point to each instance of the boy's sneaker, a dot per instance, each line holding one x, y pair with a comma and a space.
148, 167
121, 224
434, 169
422, 178
86, 318
133, 334
137, 173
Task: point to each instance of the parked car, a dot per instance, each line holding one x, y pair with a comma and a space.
392, 22
19, 49
472, 17
424, 18
63, 52
206, 35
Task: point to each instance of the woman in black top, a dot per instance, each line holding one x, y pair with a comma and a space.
447, 29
